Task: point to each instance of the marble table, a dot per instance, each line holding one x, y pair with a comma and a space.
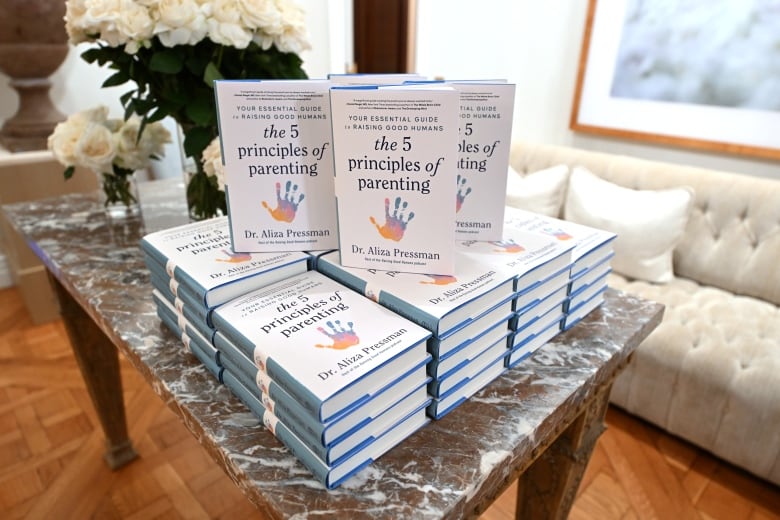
537, 422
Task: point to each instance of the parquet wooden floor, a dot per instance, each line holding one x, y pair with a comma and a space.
51, 447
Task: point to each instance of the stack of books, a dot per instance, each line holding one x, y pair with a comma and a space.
337, 378
591, 255
193, 270
466, 313
540, 267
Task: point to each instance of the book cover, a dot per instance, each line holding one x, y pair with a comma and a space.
588, 276
441, 406
590, 245
586, 292
391, 78
185, 327
486, 114
575, 314
530, 257
540, 291
440, 303
395, 154
442, 347
277, 152
442, 366
327, 346
198, 255
302, 421
551, 318
330, 476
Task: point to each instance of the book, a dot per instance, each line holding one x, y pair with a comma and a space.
531, 258
440, 303
575, 314
540, 291
185, 327
185, 304
395, 155
300, 420
586, 278
528, 314
207, 356
327, 346
524, 349
586, 292
441, 406
442, 386
439, 367
590, 245
551, 318
353, 440
486, 114
331, 476
277, 153
198, 255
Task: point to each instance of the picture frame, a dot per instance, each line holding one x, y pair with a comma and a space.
727, 129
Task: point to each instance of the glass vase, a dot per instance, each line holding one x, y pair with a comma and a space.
119, 195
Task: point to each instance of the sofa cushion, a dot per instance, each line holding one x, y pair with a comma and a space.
648, 223
710, 372
541, 191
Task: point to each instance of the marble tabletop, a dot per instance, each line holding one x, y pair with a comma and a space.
443, 470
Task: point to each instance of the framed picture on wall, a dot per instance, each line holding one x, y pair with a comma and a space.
694, 74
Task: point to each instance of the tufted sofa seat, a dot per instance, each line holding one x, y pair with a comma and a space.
710, 373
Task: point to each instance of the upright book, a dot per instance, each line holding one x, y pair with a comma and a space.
199, 256
395, 155
486, 113
277, 152
328, 347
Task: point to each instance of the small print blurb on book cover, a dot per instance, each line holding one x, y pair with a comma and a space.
395, 159
486, 111
277, 152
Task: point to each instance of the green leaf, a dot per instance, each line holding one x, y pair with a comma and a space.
167, 62
157, 115
68, 173
92, 55
116, 79
211, 74
196, 140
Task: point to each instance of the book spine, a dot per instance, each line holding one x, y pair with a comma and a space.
197, 316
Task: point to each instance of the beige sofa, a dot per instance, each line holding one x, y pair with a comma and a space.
710, 373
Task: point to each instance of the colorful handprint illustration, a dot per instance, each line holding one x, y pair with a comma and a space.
462, 193
342, 337
439, 279
395, 223
287, 205
234, 258
508, 246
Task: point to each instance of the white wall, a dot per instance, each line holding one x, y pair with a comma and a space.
537, 46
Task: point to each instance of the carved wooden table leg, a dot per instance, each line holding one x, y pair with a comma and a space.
98, 360
548, 488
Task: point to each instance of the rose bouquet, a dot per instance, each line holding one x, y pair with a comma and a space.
173, 50
113, 148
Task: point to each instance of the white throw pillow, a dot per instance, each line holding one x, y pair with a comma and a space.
541, 191
648, 223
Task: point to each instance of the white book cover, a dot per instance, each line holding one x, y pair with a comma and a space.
277, 152
326, 345
374, 78
199, 256
585, 239
395, 154
486, 113
530, 257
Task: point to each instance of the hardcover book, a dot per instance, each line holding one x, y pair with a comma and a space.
590, 245
486, 114
575, 314
551, 318
277, 153
327, 346
540, 291
530, 257
587, 277
331, 476
442, 386
441, 406
440, 303
530, 313
441, 367
302, 421
531, 344
184, 327
198, 255
395, 155
355, 439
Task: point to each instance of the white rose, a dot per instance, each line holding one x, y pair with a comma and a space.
135, 21
212, 163
292, 37
259, 14
225, 25
64, 139
180, 22
74, 21
95, 148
